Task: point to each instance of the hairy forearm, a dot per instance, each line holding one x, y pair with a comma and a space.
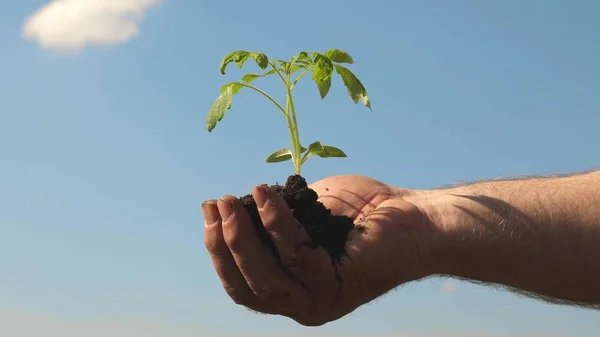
538, 236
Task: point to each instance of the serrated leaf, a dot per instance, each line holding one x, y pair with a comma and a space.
339, 56
240, 57
279, 156
356, 90
218, 109
324, 86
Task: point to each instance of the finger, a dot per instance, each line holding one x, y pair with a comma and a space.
256, 262
310, 265
232, 279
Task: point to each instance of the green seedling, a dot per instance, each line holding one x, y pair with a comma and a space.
321, 65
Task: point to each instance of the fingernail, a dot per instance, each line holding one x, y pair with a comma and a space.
211, 213
261, 196
225, 209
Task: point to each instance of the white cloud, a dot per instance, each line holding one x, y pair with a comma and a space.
71, 25
449, 286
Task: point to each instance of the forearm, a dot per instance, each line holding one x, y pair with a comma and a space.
539, 236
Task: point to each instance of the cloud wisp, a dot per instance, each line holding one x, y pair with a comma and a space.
72, 25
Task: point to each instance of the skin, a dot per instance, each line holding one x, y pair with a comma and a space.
536, 236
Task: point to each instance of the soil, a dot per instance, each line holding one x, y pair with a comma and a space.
325, 229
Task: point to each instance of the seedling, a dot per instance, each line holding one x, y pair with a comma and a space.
321, 65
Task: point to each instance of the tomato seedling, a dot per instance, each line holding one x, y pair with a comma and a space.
322, 66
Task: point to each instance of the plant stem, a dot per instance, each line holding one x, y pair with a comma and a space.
296, 136
292, 133
300, 76
278, 72
264, 94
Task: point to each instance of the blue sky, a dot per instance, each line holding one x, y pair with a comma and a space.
105, 158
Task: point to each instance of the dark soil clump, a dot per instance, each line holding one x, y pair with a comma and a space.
325, 229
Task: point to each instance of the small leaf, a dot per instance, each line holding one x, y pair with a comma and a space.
323, 67
355, 88
248, 78
321, 73
240, 57
324, 86
303, 149
235, 56
235, 87
296, 67
323, 151
316, 147
218, 109
285, 66
261, 59
279, 156
339, 56
303, 58
332, 152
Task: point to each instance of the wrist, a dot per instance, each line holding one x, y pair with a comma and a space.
447, 242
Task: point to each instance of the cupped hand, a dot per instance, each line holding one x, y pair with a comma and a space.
303, 284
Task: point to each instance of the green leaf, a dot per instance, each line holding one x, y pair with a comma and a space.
235, 87
302, 58
323, 67
356, 90
285, 66
219, 107
339, 56
316, 147
248, 78
321, 73
240, 57
324, 86
235, 56
296, 67
323, 151
261, 59
279, 156
332, 152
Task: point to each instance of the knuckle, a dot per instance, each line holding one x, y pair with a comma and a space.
213, 245
269, 217
233, 240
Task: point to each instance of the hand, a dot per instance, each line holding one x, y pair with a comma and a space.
303, 284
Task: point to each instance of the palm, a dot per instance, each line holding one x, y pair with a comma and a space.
302, 283
353, 196
369, 267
